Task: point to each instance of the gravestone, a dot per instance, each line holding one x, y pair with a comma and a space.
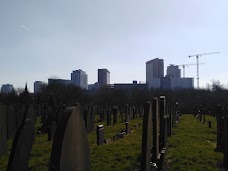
163, 123
115, 114
155, 115
93, 114
220, 128
70, 149
100, 134
22, 147
51, 131
134, 113
3, 130
11, 122
226, 142
20, 116
127, 113
146, 138
108, 118
127, 130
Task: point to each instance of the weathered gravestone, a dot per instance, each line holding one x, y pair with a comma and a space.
155, 114
220, 128
100, 134
146, 138
3, 130
226, 141
51, 131
115, 114
11, 122
70, 150
108, 118
22, 147
20, 116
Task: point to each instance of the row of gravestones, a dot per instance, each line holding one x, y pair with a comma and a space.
200, 113
70, 150
158, 123
11, 120
222, 132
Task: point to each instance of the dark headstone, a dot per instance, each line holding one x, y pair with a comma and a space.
70, 149
209, 124
220, 128
20, 116
11, 121
22, 147
226, 142
115, 115
51, 131
3, 130
100, 134
108, 118
155, 114
146, 138
127, 128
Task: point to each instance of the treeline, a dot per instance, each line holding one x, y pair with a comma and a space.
59, 94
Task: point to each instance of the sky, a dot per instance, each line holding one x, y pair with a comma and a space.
40, 39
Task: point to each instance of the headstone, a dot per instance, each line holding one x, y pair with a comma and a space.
163, 123
226, 142
115, 115
127, 128
11, 122
134, 113
209, 124
108, 118
127, 113
51, 131
146, 138
155, 114
100, 134
22, 147
20, 116
220, 128
70, 149
3, 130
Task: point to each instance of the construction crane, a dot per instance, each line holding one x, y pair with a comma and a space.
197, 62
183, 66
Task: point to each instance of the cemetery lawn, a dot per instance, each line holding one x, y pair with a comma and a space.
119, 155
192, 146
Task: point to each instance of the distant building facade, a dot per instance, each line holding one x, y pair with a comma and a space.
60, 81
173, 71
80, 78
182, 83
129, 86
154, 72
103, 77
7, 88
38, 86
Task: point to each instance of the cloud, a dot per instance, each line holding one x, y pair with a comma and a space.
25, 28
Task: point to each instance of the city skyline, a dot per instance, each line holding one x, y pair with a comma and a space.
40, 40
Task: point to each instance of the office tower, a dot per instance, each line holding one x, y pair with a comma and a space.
103, 77
154, 72
80, 78
173, 71
7, 88
38, 85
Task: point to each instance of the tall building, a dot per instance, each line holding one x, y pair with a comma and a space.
103, 76
80, 78
154, 72
38, 86
7, 88
173, 71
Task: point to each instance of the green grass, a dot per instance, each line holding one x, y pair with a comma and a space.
192, 147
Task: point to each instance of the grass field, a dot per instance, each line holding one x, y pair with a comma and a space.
192, 147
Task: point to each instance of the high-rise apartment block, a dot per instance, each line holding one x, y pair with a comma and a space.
155, 76
80, 78
7, 88
38, 86
154, 72
103, 77
173, 71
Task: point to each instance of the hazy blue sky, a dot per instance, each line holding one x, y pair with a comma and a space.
44, 38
